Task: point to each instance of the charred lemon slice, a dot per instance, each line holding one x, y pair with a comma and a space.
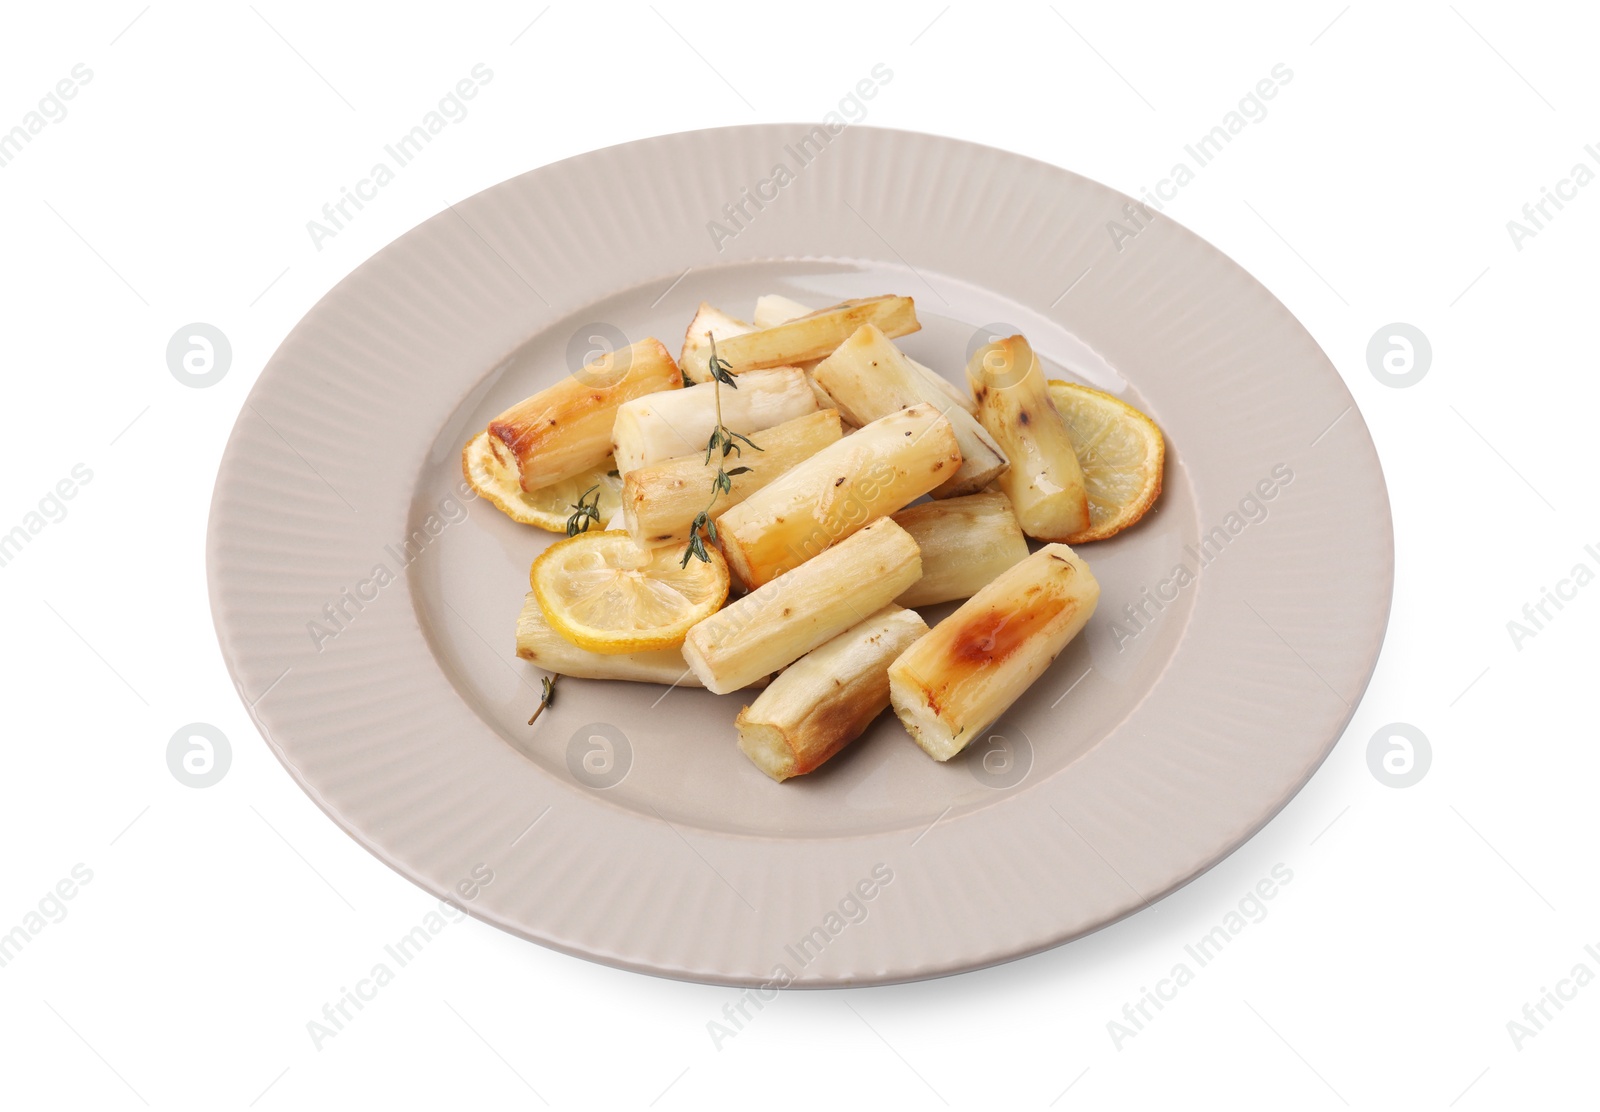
1121, 453
491, 469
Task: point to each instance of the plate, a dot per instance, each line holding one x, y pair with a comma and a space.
366, 608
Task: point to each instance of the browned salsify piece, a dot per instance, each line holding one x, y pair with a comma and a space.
953, 684
565, 429
876, 470
803, 339
827, 698
1045, 481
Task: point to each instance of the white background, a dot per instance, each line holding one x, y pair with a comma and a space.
1377, 190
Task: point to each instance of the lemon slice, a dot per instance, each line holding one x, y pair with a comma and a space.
1121, 452
492, 470
604, 593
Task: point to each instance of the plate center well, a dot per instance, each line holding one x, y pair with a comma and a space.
673, 753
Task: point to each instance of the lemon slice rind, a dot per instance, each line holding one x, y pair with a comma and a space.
1122, 454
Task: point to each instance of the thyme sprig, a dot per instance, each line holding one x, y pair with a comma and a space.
546, 699
704, 528
584, 511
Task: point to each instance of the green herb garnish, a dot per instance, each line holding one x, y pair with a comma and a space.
703, 528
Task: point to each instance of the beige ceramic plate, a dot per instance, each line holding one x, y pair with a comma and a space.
367, 611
